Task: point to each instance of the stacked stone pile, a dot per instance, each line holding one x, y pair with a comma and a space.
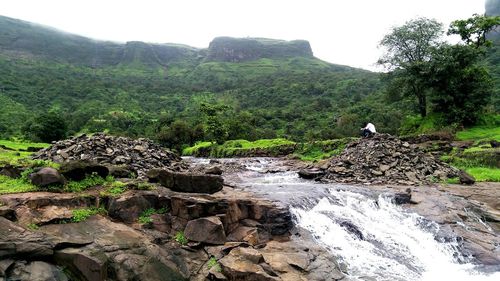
138, 155
386, 159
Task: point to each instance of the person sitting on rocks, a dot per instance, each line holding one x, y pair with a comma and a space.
368, 130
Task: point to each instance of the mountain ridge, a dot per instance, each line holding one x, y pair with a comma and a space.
50, 43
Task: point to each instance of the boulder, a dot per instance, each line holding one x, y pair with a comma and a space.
191, 183
36, 271
207, 230
88, 264
241, 266
402, 197
129, 206
310, 173
46, 176
118, 171
11, 171
466, 178
78, 170
214, 170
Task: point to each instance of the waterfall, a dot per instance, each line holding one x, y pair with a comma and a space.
377, 239
372, 238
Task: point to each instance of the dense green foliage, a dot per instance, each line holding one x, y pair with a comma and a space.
165, 92
453, 76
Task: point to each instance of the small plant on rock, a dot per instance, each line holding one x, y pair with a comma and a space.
32, 226
181, 238
80, 215
213, 263
145, 217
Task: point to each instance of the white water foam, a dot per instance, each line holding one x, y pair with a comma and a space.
395, 246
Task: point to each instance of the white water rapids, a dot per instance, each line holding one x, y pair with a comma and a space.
373, 238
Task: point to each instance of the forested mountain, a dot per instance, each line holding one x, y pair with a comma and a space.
270, 87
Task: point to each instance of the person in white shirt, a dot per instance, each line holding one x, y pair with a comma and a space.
368, 130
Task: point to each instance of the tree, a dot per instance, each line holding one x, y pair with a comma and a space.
408, 49
461, 85
473, 30
215, 128
46, 127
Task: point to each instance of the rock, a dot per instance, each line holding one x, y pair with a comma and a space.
46, 176
402, 198
237, 267
89, 265
207, 230
191, 183
120, 171
353, 229
17, 242
466, 178
77, 170
384, 159
310, 173
129, 206
140, 155
214, 170
36, 271
11, 171
7, 212
494, 143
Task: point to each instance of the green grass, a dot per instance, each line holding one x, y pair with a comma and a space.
318, 150
193, 149
10, 185
80, 215
19, 145
238, 148
480, 133
22, 184
89, 181
181, 238
484, 174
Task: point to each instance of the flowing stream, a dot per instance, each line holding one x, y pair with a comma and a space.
372, 238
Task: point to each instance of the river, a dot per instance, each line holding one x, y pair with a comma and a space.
372, 238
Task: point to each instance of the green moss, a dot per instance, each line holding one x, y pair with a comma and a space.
89, 181
318, 150
80, 215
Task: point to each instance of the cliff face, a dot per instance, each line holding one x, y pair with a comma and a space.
245, 49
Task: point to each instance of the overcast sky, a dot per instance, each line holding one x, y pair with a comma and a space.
342, 32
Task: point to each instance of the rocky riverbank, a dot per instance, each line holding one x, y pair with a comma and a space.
230, 235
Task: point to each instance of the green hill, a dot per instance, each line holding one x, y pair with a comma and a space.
273, 88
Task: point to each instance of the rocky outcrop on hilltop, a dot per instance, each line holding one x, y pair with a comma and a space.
230, 49
138, 155
386, 159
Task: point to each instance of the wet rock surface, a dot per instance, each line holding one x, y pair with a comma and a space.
118, 247
138, 155
385, 159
